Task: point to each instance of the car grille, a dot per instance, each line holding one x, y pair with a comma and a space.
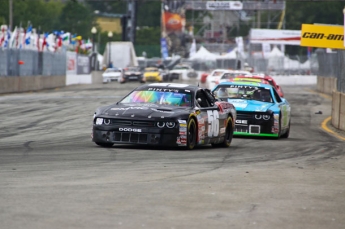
244, 116
130, 137
132, 123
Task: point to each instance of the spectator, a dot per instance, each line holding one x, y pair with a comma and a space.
110, 64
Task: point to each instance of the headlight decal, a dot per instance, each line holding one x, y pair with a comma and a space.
99, 121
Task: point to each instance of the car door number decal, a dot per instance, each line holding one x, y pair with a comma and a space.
213, 123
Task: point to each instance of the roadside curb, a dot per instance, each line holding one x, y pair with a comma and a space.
326, 123
327, 126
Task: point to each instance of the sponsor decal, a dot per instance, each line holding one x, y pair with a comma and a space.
163, 89
130, 129
183, 124
323, 36
178, 140
213, 123
222, 130
183, 137
238, 121
182, 121
128, 108
182, 133
183, 129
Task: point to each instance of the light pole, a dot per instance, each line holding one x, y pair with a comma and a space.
110, 35
93, 31
94, 63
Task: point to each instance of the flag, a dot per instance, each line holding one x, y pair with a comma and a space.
44, 43
192, 49
7, 38
22, 41
18, 36
38, 39
13, 37
3, 35
28, 35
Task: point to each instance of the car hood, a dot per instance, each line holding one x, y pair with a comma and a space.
143, 110
250, 105
112, 74
151, 73
178, 71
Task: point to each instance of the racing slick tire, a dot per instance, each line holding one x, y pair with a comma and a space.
191, 134
229, 132
105, 145
287, 133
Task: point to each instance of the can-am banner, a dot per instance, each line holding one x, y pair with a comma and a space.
275, 36
323, 36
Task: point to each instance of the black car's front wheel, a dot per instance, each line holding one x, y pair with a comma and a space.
229, 133
191, 134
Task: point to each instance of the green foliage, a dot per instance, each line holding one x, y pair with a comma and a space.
76, 18
149, 13
37, 12
326, 12
114, 7
151, 50
148, 36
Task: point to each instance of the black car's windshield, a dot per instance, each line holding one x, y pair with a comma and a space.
248, 92
159, 97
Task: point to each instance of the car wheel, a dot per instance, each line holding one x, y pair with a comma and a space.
229, 133
106, 145
191, 134
287, 133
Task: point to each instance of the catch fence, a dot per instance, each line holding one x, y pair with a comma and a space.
333, 65
22, 62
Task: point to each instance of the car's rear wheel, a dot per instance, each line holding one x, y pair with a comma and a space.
191, 134
105, 145
229, 133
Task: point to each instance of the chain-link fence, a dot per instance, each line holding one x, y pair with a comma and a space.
21, 62
332, 65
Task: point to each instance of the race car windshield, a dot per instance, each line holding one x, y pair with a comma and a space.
159, 97
243, 92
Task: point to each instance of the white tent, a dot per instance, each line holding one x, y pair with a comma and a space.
121, 53
275, 59
275, 52
230, 55
204, 54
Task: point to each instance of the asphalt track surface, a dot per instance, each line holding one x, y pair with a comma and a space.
53, 176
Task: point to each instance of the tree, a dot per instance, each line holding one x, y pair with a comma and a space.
38, 13
76, 18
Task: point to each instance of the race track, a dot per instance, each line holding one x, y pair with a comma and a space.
53, 176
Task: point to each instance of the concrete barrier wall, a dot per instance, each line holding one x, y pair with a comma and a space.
342, 112
338, 110
326, 84
335, 108
15, 84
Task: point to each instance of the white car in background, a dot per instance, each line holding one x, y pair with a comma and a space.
227, 76
219, 75
183, 71
112, 74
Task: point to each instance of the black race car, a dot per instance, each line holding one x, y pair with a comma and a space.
132, 74
165, 114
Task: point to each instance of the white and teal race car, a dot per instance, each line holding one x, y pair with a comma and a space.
260, 109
